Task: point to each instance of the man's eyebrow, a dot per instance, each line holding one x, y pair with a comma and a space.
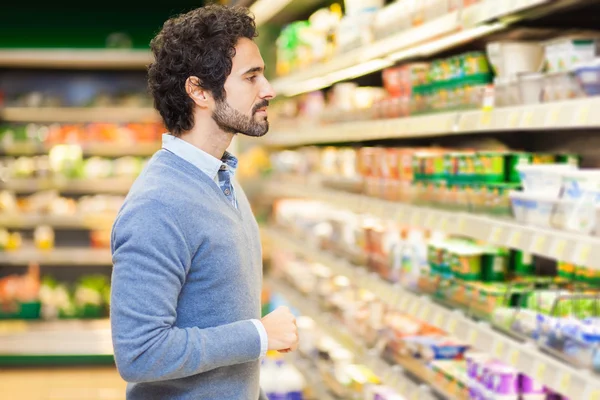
254, 69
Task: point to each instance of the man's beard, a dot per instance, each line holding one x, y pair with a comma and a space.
232, 121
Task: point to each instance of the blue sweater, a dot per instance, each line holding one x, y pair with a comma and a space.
185, 287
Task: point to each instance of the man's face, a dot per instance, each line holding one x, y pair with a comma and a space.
247, 94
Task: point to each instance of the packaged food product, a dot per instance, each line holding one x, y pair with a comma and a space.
512, 58
588, 76
543, 179
531, 87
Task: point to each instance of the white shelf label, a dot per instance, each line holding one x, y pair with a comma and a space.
515, 239
564, 382
539, 371
582, 115
582, 253
558, 248
513, 357
552, 117
527, 119
495, 235
498, 348
538, 242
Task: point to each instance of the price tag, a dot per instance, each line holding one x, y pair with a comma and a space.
537, 243
429, 220
582, 115
403, 303
552, 117
558, 248
414, 308
495, 235
527, 119
425, 312
485, 120
498, 349
582, 253
513, 119
452, 325
461, 225
398, 215
594, 395
443, 224
472, 337
539, 370
514, 239
438, 319
564, 382
513, 357
414, 218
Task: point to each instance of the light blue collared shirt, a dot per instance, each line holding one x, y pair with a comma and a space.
222, 173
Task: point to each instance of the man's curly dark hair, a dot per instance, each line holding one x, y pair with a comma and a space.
199, 43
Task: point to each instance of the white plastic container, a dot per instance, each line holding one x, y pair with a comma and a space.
542, 210
582, 185
531, 86
358, 7
543, 179
512, 58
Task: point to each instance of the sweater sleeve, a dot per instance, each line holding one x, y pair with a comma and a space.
151, 257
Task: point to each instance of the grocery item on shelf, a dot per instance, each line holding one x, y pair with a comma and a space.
281, 380
67, 162
458, 179
19, 295
87, 298
512, 289
91, 133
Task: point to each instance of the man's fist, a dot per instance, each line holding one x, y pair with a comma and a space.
281, 330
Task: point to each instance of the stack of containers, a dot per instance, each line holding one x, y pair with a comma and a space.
559, 196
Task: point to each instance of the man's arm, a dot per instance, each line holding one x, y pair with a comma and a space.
151, 257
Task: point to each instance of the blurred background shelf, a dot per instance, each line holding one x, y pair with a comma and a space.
61, 256
80, 186
30, 221
524, 356
407, 376
555, 244
55, 343
75, 59
88, 149
77, 114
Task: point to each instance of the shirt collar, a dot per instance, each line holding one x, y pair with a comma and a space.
197, 157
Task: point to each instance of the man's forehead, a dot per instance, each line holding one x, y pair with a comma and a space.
247, 55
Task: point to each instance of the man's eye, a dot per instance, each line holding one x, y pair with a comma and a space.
251, 78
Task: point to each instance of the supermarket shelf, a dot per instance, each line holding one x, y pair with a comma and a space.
560, 245
63, 342
313, 380
60, 257
75, 59
30, 221
432, 37
78, 186
394, 376
524, 356
572, 114
78, 114
282, 11
89, 149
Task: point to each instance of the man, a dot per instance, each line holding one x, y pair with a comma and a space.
187, 276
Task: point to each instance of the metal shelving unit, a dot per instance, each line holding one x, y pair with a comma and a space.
524, 356
566, 115
563, 245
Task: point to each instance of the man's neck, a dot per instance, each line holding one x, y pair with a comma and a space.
208, 138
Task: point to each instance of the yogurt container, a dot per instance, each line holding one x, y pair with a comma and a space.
546, 179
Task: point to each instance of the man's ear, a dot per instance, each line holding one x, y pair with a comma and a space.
201, 96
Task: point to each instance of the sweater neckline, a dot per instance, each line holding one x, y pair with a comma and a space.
196, 172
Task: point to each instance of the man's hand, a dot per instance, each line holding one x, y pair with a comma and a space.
281, 330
